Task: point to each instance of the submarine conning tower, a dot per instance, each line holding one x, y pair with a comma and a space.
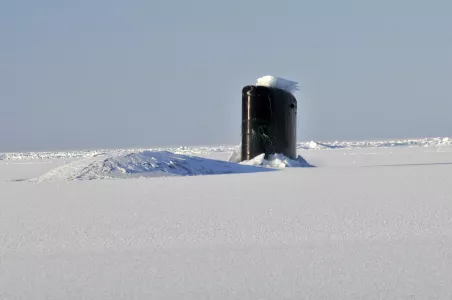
269, 122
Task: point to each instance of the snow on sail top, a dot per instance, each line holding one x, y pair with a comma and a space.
278, 82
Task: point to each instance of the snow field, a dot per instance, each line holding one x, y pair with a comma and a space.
366, 223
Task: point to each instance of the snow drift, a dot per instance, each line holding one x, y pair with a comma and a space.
161, 164
144, 164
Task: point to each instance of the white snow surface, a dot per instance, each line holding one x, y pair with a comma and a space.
373, 220
278, 82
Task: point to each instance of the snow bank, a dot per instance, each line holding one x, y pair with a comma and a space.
278, 82
143, 164
277, 161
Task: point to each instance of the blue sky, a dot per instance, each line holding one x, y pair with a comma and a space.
108, 73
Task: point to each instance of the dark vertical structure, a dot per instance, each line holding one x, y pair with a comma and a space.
269, 122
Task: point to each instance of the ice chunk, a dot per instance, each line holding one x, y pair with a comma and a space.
236, 155
277, 161
278, 82
313, 145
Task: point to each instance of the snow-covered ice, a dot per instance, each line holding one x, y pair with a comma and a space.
425, 142
373, 220
209, 150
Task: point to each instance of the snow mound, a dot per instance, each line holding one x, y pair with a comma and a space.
277, 161
143, 164
278, 82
